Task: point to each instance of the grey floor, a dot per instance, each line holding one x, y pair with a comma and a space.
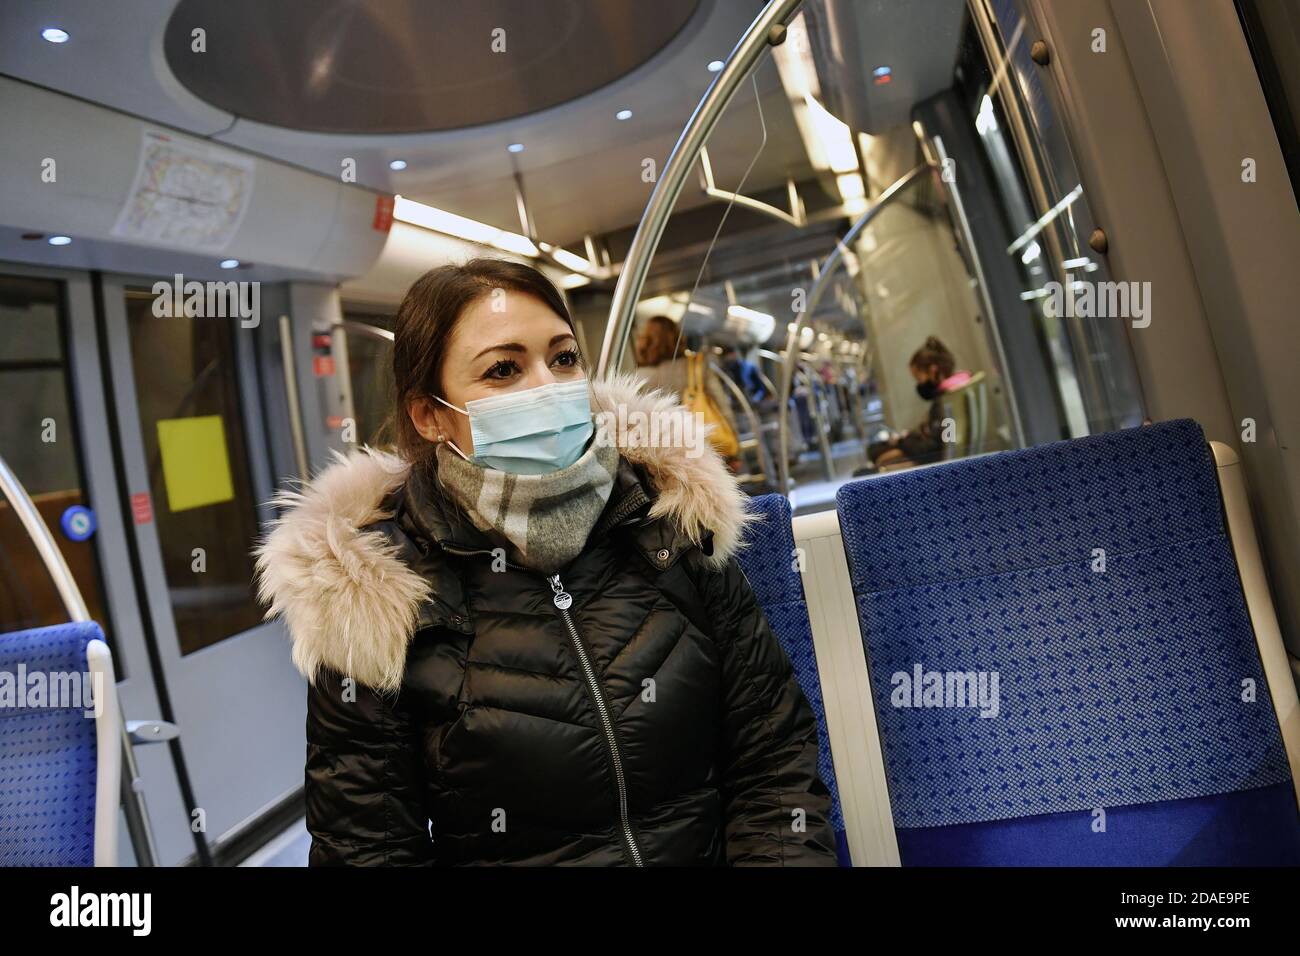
288, 849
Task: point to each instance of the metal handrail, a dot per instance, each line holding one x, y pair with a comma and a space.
289, 365
819, 287
366, 330
819, 426
768, 27
46, 547
137, 814
755, 426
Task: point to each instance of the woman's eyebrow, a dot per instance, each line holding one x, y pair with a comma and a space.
503, 347
516, 347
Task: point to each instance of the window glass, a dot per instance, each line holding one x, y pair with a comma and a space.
191, 420
38, 439
1272, 29
370, 365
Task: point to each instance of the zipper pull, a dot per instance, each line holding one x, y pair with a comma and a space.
562, 598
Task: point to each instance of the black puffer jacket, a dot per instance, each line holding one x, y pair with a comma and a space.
655, 722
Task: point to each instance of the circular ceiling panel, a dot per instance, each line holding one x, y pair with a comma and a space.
406, 66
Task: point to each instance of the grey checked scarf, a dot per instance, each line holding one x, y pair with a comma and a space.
546, 518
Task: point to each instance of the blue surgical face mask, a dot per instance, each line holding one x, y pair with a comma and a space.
529, 432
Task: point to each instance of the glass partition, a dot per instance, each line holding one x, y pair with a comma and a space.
370, 369
874, 222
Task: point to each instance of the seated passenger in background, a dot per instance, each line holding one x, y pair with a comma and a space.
935, 370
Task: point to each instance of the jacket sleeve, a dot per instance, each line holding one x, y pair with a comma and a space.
365, 784
775, 807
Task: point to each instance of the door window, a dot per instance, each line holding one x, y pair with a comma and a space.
196, 452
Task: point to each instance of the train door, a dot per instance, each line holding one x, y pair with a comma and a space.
185, 410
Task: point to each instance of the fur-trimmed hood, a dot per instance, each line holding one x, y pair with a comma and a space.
349, 600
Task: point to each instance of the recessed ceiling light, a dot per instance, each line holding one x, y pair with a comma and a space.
715, 66
397, 164
54, 35
59, 240
230, 263
516, 147
623, 114
881, 71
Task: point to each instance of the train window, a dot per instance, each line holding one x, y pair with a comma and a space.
191, 420
38, 439
1025, 174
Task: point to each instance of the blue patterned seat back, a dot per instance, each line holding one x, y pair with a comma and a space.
768, 561
1063, 666
47, 753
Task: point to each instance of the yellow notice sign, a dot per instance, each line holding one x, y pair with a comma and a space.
195, 466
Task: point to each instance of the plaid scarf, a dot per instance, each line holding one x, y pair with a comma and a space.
545, 518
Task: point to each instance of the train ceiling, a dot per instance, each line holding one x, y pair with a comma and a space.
317, 82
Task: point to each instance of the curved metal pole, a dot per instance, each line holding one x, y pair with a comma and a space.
755, 425
768, 385
133, 806
13, 490
823, 280
769, 27
819, 424
289, 365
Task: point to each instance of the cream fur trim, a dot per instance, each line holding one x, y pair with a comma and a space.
695, 488
348, 601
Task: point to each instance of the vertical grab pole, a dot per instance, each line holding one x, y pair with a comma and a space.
767, 28
290, 365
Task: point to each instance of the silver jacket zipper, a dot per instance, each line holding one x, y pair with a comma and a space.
562, 600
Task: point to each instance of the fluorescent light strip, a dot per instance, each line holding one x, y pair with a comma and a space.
439, 220
569, 260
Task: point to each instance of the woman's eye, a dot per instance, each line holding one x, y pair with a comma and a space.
501, 370
567, 359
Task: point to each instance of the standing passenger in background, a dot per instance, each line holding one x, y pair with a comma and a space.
744, 373
480, 616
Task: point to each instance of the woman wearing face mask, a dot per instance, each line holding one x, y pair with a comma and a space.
528, 642
935, 370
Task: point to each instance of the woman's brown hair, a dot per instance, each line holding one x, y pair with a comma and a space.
934, 352
658, 340
425, 320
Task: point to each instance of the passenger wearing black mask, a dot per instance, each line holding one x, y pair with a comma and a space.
935, 369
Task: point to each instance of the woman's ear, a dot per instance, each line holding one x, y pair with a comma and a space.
426, 418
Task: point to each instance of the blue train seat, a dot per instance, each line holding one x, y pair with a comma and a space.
1086, 594
768, 563
59, 767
